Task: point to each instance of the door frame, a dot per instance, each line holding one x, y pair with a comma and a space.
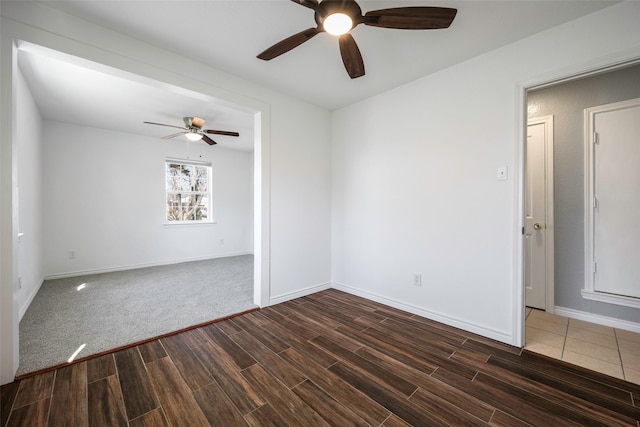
595, 66
15, 34
548, 201
589, 292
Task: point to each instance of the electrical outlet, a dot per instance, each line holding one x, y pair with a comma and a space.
417, 279
72, 254
222, 241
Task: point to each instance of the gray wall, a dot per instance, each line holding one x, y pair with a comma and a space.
566, 102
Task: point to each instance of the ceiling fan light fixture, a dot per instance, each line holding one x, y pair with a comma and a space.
337, 24
339, 17
193, 136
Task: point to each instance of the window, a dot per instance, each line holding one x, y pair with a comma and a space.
188, 188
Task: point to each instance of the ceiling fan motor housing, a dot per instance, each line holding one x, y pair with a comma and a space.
329, 7
194, 124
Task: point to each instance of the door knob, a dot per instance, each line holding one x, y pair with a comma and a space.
537, 226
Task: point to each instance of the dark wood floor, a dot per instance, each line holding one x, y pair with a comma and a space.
326, 359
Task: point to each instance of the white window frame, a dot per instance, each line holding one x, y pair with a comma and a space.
209, 195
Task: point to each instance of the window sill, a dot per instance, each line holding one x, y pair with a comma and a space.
611, 298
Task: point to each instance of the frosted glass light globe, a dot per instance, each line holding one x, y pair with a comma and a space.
193, 136
337, 24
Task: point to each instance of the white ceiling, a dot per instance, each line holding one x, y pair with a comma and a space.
228, 34
71, 90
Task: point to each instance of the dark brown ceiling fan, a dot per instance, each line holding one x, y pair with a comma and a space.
193, 130
339, 17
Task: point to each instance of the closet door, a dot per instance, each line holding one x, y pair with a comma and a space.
616, 198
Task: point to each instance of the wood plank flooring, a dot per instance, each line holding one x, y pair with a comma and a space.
328, 359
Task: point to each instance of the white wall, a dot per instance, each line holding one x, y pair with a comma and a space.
293, 133
414, 177
29, 155
303, 239
105, 200
300, 199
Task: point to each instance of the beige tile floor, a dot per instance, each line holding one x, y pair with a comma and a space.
612, 351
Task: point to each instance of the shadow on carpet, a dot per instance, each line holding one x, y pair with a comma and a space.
101, 312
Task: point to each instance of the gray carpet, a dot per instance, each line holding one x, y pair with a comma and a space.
120, 308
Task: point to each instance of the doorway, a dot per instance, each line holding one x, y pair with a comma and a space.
581, 331
260, 188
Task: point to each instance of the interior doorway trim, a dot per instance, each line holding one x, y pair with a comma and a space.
595, 66
549, 219
13, 35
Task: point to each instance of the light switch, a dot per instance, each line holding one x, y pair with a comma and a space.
501, 173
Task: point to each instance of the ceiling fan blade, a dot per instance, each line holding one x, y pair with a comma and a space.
351, 56
197, 122
221, 132
411, 18
311, 4
208, 140
173, 135
162, 124
289, 43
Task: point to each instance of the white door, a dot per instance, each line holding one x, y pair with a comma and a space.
616, 211
537, 209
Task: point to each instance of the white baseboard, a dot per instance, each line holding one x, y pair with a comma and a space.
438, 317
136, 266
611, 298
596, 318
299, 293
29, 300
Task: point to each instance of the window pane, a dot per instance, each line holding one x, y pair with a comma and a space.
173, 177
202, 179
187, 173
174, 207
188, 213
201, 207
